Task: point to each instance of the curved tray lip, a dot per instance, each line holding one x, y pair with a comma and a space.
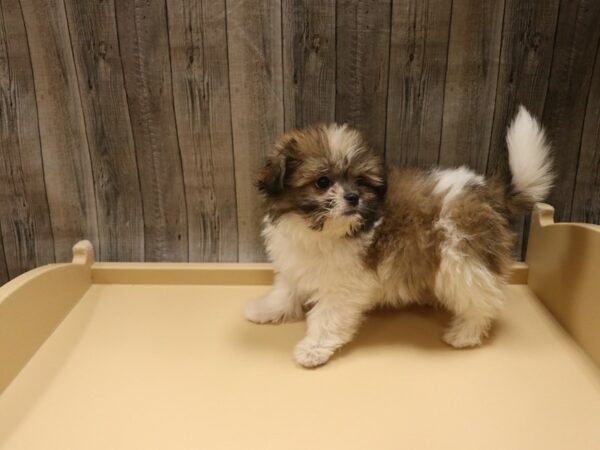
22, 280
83, 255
543, 213
563, 260
41, 299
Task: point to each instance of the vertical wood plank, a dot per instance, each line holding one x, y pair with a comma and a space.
525, 61
419, 48
577, 39
24, 214
255, 74
363, 45
586, 196
473, 54
308, 61
143, 40
65, 152
3, 269
198, 41
93, 32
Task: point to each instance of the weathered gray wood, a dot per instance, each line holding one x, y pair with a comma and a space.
525, 60
577, 39
198, 41
362, 50
586, 196
154, 116
3, 269
143, 39
66, 159
419, 48
24, 214
308, 61
118, 200
473, 54
255, 74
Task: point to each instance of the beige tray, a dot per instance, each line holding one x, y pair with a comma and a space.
158, 356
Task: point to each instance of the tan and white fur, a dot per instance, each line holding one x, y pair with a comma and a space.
345, 235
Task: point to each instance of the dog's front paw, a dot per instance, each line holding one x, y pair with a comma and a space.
257, 311
461, 336
311, 354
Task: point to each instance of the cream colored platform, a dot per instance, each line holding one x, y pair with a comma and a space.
173, 365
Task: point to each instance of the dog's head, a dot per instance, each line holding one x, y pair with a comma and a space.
329, 176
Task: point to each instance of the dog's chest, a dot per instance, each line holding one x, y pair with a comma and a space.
311, 261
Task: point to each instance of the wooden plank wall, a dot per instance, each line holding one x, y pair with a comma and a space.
139, 124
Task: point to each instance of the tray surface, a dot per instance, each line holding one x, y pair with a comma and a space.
177, 367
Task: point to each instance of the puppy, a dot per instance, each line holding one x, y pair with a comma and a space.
345, 236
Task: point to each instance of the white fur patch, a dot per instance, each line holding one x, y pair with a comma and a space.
311, 260
463, 284
344, 142
323, 270
466, 287
277, 306
451, 182
528, 156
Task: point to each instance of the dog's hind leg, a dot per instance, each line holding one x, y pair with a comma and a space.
474, 295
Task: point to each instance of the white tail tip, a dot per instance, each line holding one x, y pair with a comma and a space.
529, 156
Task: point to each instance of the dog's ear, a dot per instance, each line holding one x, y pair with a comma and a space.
272, 176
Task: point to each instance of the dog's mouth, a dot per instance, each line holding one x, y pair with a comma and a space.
334, 217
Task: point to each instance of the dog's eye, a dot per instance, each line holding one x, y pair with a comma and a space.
360, 181
323, 183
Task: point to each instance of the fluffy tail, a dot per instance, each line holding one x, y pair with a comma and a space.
530, 162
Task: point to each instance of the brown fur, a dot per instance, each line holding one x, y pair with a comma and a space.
406, 238
483, 214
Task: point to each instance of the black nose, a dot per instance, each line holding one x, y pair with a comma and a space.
351, 198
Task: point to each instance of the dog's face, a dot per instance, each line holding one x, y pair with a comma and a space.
329, 176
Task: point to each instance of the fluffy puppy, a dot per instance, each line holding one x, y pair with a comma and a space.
345, 236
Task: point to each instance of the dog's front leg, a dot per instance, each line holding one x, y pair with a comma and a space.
281, 304
332, 322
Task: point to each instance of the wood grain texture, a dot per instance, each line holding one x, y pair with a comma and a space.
586, 195
419, 48
95, 44
577, 39
24, 213
140, 124
144, 46
65, 152
256, 81
525, 60
198, 40
473, 55
309, 60
3, 269
362, 52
